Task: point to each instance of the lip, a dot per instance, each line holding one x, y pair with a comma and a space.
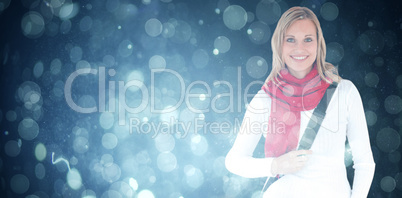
299, 57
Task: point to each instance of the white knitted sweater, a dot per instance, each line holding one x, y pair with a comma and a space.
324, 174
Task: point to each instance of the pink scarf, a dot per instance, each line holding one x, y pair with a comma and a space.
290, 96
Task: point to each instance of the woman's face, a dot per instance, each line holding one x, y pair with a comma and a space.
299, 50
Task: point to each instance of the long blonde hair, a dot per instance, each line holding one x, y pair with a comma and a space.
325, 69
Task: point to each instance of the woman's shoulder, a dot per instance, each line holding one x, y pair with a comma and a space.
346, 85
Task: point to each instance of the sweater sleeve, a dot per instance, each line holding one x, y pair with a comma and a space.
359, 142
240, 158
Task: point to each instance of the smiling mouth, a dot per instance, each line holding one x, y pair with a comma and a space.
299, 57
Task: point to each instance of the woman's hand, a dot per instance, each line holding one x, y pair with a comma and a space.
290, 162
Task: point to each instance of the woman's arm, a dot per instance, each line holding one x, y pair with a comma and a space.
240, 158
359, 141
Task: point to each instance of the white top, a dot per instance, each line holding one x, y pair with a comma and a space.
324, 175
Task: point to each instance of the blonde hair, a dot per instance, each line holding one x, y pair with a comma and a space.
325, 69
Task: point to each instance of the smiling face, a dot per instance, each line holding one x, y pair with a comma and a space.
299, 50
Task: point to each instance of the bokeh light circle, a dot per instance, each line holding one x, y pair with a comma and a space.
259, 33
19, 183
388, 184
268, 11
28, 129
235, 17
222, 43
388, 140
153, 27
33, 25
256, 67
166, 162
329, 11
393, 104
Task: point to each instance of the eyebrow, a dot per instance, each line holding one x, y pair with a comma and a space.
294, 36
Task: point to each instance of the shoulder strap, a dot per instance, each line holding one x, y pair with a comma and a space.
316, 119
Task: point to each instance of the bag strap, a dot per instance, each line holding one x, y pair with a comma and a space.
316, 119
312, 127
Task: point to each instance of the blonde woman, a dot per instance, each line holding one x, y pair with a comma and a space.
282, 109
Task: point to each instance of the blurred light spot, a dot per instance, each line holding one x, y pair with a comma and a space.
112, 5
329, 11
133, 184
11, 116
183, 31
80, 145
256, 67
193, 176
222, 44
19, 183
370, 24
371, 42
259, 33
335, 53
388, 140
393, 104
157, 62
88, 194
38, 69
40, 171
166, 162
250, 17
106, 120
215, 51
76, 54
199, 145
65, 26
145, 194
146, 2
109, 60
86, 23
74, 179
232, 187
58, 89
168, 115
168, 30
235, 17
68, 11
388, 184
378, 61
87, 101
123, 188
125, 48
40, 152
28, 129
109, 141
135, 75
153, 27
219, 166
33, 25
371, 118
111, 173
164, 142
12, 149
371, 79
268, 12
217, 11
4, 5
55, 66
106, 160
200, 22
200, 58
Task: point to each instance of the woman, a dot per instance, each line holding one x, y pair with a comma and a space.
281, 110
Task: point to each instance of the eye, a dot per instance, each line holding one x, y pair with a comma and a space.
308, 39
290, 40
